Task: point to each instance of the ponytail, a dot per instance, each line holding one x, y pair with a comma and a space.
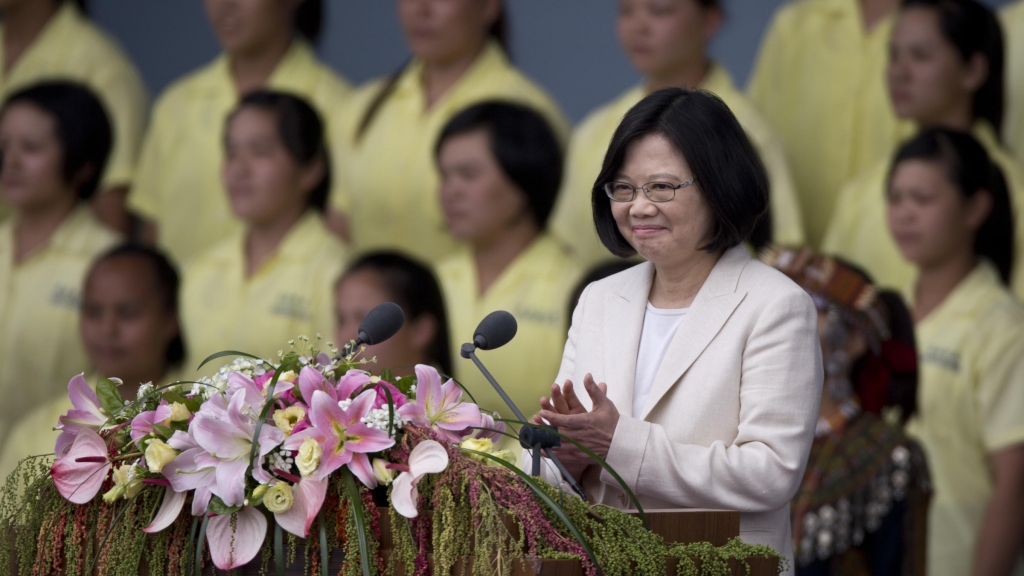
969, 168
309, 20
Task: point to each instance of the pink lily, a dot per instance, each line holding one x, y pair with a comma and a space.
170, 507
230, 443
308, 497
233, 546
256, 391
310, 380
340, 432
428, 457
439, 407
351, 382
86, 412
491, 428
144, 424
193, 469
79, 474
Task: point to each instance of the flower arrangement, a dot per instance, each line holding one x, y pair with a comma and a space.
304, 449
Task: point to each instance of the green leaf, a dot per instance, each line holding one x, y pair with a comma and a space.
278, 549
192, 405
164, 431
224, 353
325, 553
387, 374
404, 384
201, 545
549, 502
218, 507
109, 396
190, 550
357, 510
599, 460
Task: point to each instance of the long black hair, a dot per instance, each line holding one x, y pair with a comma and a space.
498, 32
411, 285
168, 284
973, 28
83, 127
522, 143
969, 168
301, 131
309, 20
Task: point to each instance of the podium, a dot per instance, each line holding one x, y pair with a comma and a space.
675, 526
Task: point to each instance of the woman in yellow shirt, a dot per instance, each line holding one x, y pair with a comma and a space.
55, 139
500, 168
266, 45
272, 281
946, 69
53, 39
129, 328
667, 42
387, 179
949, 212
380, 277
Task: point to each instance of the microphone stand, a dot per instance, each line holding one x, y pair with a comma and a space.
532, 437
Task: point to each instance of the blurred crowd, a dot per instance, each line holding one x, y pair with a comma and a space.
262, 197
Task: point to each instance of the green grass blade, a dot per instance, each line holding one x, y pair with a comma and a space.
357, 510
279, 549
201, 545
224, 353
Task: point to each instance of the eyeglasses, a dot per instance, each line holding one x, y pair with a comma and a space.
655, 191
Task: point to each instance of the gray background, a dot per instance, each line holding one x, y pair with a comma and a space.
568, 46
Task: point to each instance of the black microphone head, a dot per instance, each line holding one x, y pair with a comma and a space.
495, 330
381, 323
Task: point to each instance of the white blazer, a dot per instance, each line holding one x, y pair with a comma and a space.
730, 417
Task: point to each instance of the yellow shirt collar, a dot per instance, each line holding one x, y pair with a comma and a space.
304, 236
492, 57
71, 236
544, 249
968, 298
59, 29
293, 73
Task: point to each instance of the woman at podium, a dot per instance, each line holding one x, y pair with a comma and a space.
700, 369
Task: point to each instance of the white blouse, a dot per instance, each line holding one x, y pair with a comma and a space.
660, 327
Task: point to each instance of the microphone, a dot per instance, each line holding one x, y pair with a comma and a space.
494, 331
381, 323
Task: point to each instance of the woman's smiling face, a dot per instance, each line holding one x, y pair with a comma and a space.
662, 232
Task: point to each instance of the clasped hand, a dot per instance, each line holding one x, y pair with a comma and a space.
593, 429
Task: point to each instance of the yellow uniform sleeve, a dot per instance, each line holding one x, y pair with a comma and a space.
1000, 384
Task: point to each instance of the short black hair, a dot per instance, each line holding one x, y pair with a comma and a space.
412, 286
727, 170
973, 28
523, 144
168, 283
83, 127
970, 169
301, 131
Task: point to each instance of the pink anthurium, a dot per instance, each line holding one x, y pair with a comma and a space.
79, 473
428, 457
339, 431
86, 412
170, 507
439, 407
233, 546
308, 498
230, 443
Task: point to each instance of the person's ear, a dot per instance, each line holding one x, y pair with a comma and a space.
423, 330
312, 174
713, 19
976, 72
978, 208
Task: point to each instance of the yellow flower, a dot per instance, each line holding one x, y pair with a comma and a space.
158, 454
259, 491
288, 376
287, 419
308, 459
506, 455
126, 483
279, 498
179, 412
479, 445
381, 472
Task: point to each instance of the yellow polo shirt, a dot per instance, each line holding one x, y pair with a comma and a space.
179, 177
388, 180
859, 230
573, 221
820, 82
34, 434
40, 348
1012, 18
70, 47
291, 295
535, 288
970, 404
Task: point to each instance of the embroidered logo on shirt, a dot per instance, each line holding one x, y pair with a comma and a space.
65, 297
292, 306
948, 359
538, 316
